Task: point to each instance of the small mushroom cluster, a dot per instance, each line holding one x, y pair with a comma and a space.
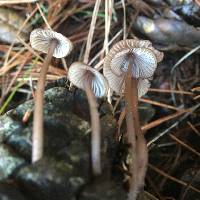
128, 68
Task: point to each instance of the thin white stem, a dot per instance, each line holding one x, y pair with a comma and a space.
38, 129
95, 136
91, 31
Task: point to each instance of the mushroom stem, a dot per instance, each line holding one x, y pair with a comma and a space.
38, 132
141, 146
131, 130
95, 136
139, 150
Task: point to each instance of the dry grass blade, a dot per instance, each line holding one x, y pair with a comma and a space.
195, 89
14, 79
97, 66
188, 186
18, 32
4, 2
169, 91
159, 104
197, 97
8, 67
49, 27
184, 57
184, 145
124, 19
30, 49
193, 128
91, 31
108, 18
43, 16
161, 134
172, 178
162, 120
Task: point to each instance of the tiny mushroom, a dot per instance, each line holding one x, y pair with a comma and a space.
128, 67
144, 64
55, 45
94, 84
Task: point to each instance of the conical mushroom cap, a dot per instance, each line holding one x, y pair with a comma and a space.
41, 39
145, 62
79, 73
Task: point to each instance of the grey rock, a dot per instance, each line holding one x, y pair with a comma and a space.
51, 179
64, 171
103, 189
9, 161
168, 31
10, 23
59, 120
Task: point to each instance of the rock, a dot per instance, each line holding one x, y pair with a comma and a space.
9, 191
103, 189
168, 31
64, 171
9, 161
51, 179
7, 127
59, 120
10, 23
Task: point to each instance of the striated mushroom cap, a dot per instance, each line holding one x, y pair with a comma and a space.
41, 39
79, 73
116, 64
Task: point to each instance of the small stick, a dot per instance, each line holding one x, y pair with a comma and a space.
38, 111
91, 31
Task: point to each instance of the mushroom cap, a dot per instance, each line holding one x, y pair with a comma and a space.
145, 58
41, 39
79, 73
117, 84
145, 62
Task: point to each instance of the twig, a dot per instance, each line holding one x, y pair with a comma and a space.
4, 2
170, 91
173, 125
184, 145
172, 178
124, 19
162, 120
159, 104
184, 57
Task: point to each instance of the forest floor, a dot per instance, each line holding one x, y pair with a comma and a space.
170, 111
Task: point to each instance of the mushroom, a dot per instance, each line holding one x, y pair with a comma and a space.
94, 84
128, 67
54, 44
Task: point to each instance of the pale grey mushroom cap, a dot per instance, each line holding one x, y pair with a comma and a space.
116, 63
79, 73
117, 84
41, 39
